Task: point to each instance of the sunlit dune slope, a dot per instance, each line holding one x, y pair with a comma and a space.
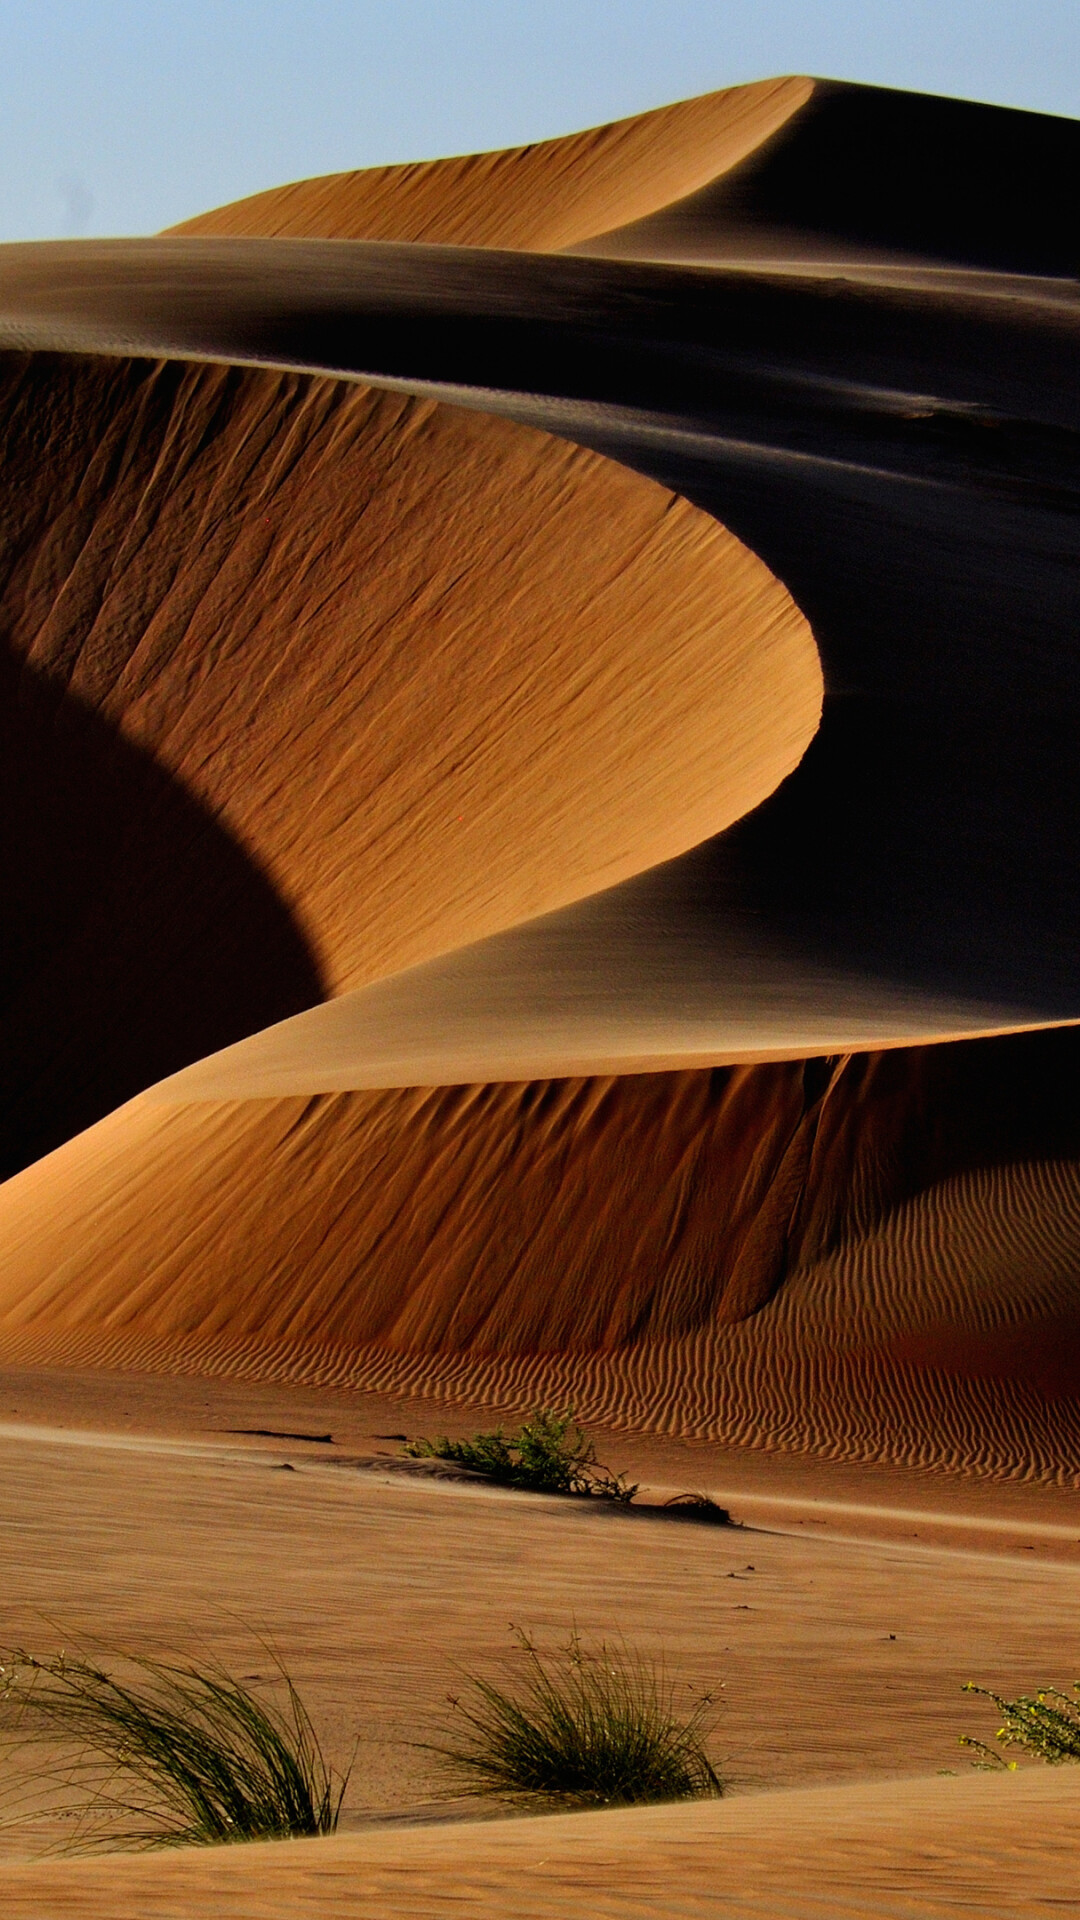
870, 1258
541, 197
416, 672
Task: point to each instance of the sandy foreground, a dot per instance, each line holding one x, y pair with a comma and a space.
904, 1849
837, 1624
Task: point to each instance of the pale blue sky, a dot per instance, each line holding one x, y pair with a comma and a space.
121, 116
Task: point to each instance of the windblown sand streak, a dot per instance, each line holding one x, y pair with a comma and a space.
825, 1854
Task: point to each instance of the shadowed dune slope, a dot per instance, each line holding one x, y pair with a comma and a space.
540, 197
867, 1258
420, 669
647, 977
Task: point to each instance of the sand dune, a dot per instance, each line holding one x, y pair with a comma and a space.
387, 657
591, 831
796, 170
636, 981
862, 176
530, 683
899, 454
870, 1260
542, 197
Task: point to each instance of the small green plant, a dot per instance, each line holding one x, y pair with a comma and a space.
1045, 1725
548, 1454
580, 1728
175, 1756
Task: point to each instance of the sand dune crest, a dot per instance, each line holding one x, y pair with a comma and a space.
540, 197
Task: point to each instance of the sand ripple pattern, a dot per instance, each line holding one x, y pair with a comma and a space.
946, 1337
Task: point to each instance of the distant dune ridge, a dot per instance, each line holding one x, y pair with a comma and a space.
496, 649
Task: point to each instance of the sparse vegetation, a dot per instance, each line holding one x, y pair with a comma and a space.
580, 1728
548, 1454
700, 1507
1044, 1725
173, 1756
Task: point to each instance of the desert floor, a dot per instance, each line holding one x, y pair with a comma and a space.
837, 1622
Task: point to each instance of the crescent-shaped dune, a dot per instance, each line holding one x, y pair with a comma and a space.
421, 670
533, 687
511, 738
897, 449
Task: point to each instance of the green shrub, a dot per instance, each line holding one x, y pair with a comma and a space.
580, 1729
1045, 1725
548, 1454
175, 1756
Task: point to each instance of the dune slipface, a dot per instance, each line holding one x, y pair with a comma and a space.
421, 585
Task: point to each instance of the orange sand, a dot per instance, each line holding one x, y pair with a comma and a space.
425, 667
148, 1525
811, 173
309, 686
420, 669
538, 198
767, 1257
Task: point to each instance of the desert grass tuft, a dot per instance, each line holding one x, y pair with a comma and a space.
172, 1756
1043, 1725
700, 1507
548, 1454
580, 1728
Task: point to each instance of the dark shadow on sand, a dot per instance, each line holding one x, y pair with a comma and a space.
136, 935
